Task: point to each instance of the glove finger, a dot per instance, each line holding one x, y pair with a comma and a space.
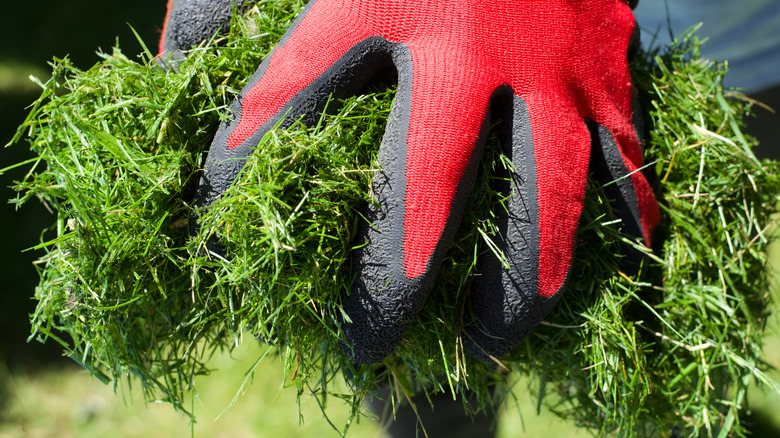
509, 299
429, 157
633, 200
307, 69
538, 224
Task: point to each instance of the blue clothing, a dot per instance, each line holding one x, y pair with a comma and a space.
746, 33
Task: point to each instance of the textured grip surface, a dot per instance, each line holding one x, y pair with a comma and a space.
190, 22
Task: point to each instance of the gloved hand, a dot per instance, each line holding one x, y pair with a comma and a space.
556, 73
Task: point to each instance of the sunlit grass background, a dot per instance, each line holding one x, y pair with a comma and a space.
65, 402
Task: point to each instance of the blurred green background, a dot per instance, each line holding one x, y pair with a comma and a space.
45, 395
32, 34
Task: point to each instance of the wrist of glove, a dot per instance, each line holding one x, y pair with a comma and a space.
554, 71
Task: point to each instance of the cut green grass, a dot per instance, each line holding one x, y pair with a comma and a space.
131, 294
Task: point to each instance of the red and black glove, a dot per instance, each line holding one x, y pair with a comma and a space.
555, 71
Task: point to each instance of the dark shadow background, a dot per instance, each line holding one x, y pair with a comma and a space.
32, 33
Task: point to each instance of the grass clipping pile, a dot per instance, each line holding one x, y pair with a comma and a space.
129, 293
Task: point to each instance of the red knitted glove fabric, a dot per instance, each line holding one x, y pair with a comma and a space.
555, 71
